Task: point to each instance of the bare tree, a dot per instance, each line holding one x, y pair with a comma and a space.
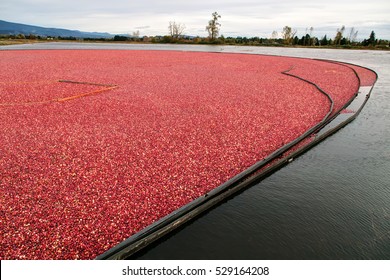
274, 36
213, 27
339, 35
136, 34
352, 35
176, 29
311, 29
288, 34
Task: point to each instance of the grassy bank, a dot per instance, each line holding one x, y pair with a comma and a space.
6, 41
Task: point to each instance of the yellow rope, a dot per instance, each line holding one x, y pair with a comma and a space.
32, 82
84, 94
62, 99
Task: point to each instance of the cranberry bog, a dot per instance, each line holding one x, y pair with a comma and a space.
100, 148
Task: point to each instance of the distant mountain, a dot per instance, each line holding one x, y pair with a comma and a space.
11, 28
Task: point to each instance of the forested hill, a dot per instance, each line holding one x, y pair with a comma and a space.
11, 28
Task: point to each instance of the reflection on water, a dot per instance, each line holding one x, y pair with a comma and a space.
331, 203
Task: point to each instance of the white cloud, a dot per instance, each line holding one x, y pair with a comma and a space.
246, 18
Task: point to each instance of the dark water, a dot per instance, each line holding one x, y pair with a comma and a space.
331, 203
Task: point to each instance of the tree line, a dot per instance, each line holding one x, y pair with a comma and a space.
287, 37
341, 38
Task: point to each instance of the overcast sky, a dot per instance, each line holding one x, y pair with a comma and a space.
239, 18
